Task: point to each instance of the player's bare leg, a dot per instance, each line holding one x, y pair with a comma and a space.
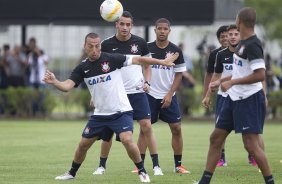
150, 140
177, 146
133, 152
252, 143
217, 139
147, 138
79, 157
177, 140
104, 153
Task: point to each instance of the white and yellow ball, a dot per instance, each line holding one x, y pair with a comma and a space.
111, 10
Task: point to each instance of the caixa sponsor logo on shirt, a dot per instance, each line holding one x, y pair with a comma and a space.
238, 62
228, 67
162, 67
99, 79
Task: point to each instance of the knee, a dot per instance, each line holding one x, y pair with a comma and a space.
145, 127
249, 147
126, 138
82, 146
176, 130
215, 139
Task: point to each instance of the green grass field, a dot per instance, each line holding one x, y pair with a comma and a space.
34, 152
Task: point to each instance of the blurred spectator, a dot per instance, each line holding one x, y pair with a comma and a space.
272, 83
279, 70
16, 63
187, 85
37, 62
3, 67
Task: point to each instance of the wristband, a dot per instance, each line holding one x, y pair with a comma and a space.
147, 82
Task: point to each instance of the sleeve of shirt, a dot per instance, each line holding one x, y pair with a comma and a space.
255, 56
128, 60
218, 64
77, 76
145, 50
104, 47
211, 62
180, 65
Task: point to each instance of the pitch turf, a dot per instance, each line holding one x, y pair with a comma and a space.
37, 151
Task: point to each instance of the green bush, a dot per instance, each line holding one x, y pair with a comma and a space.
275, 101
20, 101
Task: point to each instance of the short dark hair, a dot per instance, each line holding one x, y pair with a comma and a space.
32, 39
248, 16
162, 20
232, 26
127, 14
220, 30
91, 35
6, 47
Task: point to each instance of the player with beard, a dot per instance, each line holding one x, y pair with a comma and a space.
223, 68
113, 112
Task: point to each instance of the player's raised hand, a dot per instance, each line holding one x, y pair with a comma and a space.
169, 60
49, 77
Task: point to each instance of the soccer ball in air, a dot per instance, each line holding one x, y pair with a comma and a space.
111, 10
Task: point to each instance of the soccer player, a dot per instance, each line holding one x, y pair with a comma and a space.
221, 35
113, 112
244, 108
164, 83
223, 68
124, 42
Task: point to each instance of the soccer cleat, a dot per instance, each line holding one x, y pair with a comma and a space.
252, 161
221, 163
158, 171
135, 170
66, 176
182, 170
144, 177
195, 182
99, 171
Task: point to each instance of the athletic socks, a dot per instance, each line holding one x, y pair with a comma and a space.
269, 179
74, 168
143, 157
103, 162
177, 160
155, 160
222, 155
206, 178
140, 167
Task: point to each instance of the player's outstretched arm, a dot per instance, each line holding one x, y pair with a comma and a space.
151, 61
64, 86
